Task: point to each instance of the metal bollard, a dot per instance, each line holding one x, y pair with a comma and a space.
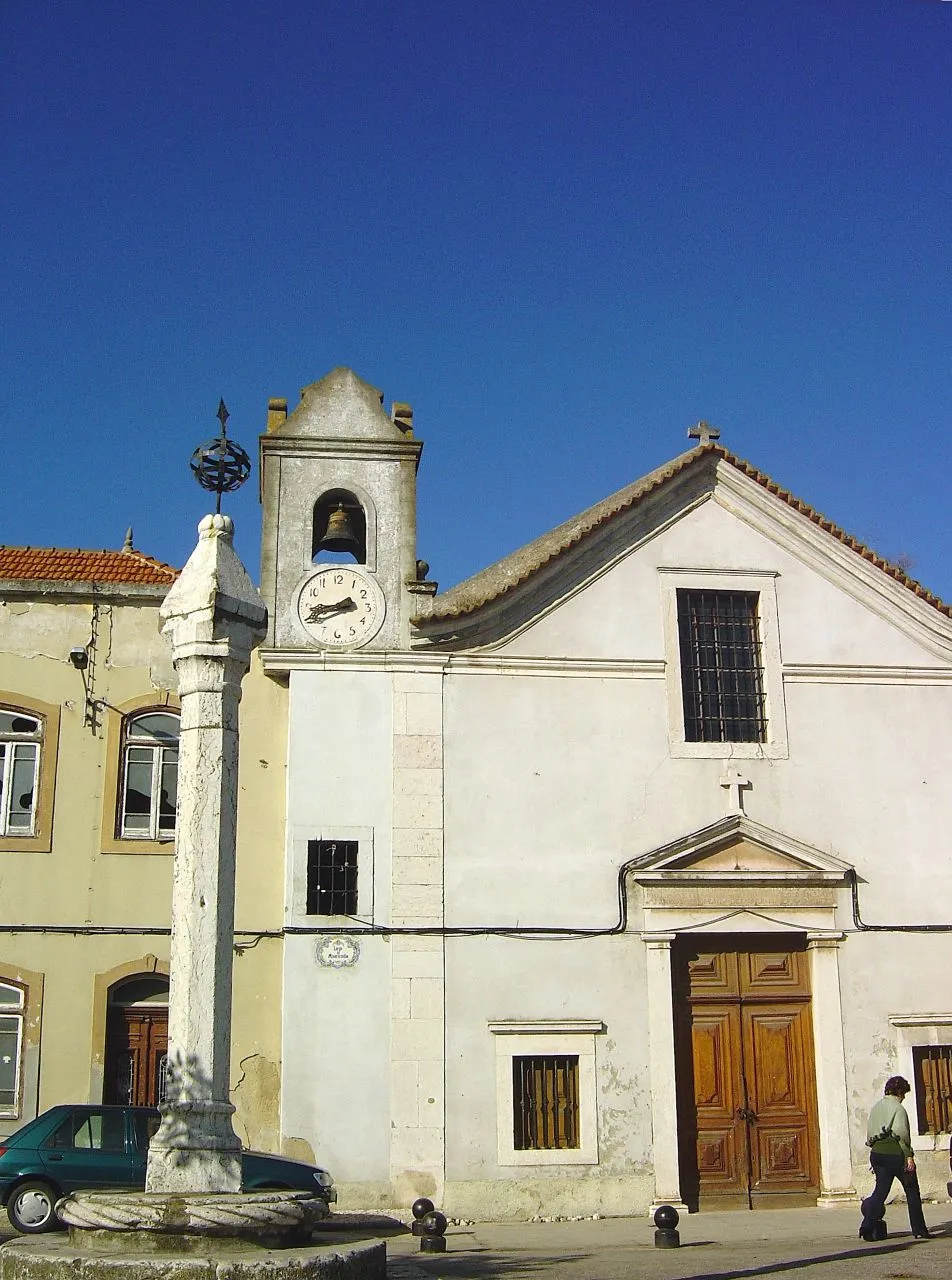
666, 1220
434, 1230
420, 1208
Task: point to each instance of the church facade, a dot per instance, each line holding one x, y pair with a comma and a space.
618, 874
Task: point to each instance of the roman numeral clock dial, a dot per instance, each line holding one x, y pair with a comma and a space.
340, 608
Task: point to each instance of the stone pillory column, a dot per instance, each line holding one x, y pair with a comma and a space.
213, 618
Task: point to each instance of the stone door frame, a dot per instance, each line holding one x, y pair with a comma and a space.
756, 881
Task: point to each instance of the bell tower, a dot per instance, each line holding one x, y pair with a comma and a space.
338, 489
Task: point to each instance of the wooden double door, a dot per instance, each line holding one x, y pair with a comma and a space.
746, 1082
137, 1041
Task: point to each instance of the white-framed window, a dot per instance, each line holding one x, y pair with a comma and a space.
149, 790
545, 1091
12, 1005
723, 670
924, 1042
21, 737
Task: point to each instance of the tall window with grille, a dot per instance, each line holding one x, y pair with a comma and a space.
20, 740
331, 877
11, 1046
545, 1103
932, 1065
149, 776
722, 678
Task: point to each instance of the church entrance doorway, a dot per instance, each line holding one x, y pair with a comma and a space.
137, 1041
746, 1080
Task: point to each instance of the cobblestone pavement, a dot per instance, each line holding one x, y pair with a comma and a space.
821, 1244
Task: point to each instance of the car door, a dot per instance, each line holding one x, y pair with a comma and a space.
90, 1150
144, 1121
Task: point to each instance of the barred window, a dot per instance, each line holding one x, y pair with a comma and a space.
331, 877
545, 1103
722, 681
932, 1065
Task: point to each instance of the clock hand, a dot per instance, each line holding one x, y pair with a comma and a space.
319, 611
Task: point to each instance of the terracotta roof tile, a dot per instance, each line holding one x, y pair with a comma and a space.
59, 564
503, 576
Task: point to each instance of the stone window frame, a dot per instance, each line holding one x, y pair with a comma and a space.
41, 841
116, 719
547, 1038
748, 581
301, 835
914, 1031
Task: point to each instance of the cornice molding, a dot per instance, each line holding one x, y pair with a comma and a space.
295, 446
547, 1027
829, 673
276, 661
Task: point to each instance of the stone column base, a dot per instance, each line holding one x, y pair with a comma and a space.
828, 1199
676, 1203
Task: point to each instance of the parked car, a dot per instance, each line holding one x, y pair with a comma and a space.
88, 1148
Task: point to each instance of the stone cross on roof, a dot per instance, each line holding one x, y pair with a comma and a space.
704, 433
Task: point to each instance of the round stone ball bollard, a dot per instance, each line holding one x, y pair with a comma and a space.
666, 1220
420, 1208
434, 1232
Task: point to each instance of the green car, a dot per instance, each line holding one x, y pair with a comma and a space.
89, 1148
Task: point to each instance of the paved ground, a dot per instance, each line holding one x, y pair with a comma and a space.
821, 1243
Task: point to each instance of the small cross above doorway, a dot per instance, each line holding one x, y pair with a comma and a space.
734, 782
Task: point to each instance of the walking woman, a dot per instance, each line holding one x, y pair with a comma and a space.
890, 1144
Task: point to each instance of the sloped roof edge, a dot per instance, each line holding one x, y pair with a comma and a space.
510, 572
60, 564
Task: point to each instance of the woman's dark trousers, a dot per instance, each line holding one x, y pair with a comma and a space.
886, 1168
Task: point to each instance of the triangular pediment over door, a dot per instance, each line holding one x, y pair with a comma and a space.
737, 874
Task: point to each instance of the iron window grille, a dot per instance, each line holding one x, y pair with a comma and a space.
545, 1103
932, 1065
331, 877
722, 677
20, 737
150, 777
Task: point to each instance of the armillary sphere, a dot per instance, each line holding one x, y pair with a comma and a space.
220, 465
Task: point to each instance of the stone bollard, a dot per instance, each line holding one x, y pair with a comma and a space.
420, 1208
666, 1220
434, 1231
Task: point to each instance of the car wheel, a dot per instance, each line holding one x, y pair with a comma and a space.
30, 1208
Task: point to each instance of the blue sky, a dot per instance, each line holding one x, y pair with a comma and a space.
562, 231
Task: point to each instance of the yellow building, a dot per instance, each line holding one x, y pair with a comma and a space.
88, 761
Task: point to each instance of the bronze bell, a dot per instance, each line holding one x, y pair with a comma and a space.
339, 534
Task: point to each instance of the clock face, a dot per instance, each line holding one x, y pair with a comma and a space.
340, 607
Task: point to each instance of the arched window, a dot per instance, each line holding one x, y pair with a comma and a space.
149, 776
11, 1046
338, 528
21, 737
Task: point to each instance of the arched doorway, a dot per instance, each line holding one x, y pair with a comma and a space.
137, 1039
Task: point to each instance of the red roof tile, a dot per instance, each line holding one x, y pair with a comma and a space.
59, 564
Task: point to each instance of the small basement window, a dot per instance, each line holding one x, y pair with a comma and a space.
331, 877
545, 1109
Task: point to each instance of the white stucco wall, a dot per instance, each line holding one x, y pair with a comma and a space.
552, 775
